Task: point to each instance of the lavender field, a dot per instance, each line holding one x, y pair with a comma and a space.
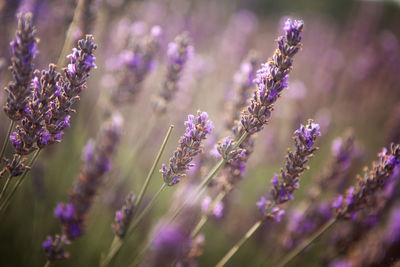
199, 133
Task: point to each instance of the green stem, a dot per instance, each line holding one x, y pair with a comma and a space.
151, 172
5, 187
3, 149
117, 242
236, 247
47, 264
18, 183
292, 255
146, 210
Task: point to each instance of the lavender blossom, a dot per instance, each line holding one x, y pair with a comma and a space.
198, 127
24, 50
288, 181
216, 210
123, 216
227, 149
137, 63
378, 247
76, 75
55, 248
359, 196
73, 214
179, 52
272, 78
32, 133
170, 244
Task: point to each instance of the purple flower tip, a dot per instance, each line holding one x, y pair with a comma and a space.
261, 204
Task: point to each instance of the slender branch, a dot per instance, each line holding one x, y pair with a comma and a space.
197, 192
3, 149
146, 210
151, 172
118, 242
5, 186
236, 247
18, 183
287, 259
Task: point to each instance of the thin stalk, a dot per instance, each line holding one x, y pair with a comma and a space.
70, 34
18, 183
151, 172
146, 210
47, 264
236, 247
5, 143
307, 243
197, 193
5, 186
144, 136
117, 242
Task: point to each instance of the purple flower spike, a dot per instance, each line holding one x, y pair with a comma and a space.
24, 51
287, 182
361, 195
304, 138
55, 249
272, 78
179, 52
190, 144
136, 62
123, 216
97, 157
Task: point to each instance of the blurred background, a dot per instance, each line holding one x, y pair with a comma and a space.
346, 78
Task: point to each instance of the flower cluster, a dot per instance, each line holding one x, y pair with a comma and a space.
197, 129
229, 152
48, 111
287, 182
137, 62
123, 216
32, 132
272, 78
179, 52
76, 75
98, 155
56, 249
359, 196
24, 51
208, 207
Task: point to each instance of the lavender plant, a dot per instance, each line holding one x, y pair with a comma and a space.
179, 52
272, 78
357, 197
24, 50
190, 145
137, 63
284, 185
98, 156
123, 217
48, 110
